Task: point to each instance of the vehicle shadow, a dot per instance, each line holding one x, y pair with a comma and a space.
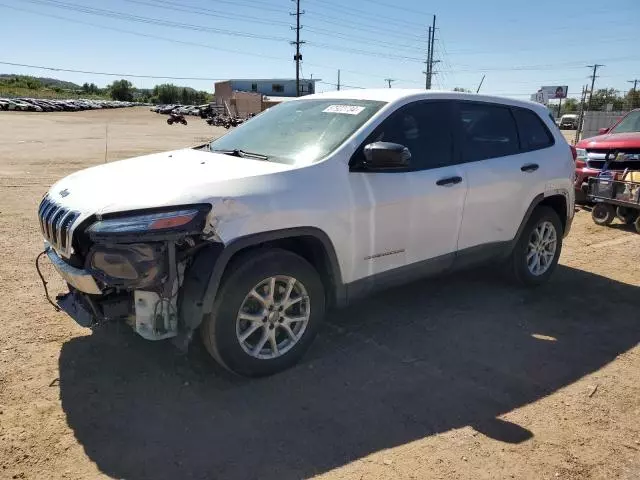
410, 363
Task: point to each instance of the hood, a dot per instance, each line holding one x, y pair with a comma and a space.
163, 179
612, 141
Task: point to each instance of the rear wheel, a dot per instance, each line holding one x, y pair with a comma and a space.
603, 213
626, 215
536, 253
169, 121
637, 224
266, 313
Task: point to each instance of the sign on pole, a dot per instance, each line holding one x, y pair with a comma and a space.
555, 91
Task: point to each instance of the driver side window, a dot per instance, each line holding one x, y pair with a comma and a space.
422, 127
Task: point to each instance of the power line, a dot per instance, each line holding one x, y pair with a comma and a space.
152, 21
397, 7
355, 25
177, 7
365, 14
111, 74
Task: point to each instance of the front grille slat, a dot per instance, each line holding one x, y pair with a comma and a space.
55, 223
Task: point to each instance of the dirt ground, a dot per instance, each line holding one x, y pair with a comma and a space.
466, 377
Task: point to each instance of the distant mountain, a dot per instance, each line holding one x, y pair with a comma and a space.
47, 82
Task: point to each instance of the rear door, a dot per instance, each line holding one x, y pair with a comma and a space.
504, 153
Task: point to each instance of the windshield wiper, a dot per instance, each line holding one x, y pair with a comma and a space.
241, 153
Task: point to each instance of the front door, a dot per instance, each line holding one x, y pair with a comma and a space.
406, 222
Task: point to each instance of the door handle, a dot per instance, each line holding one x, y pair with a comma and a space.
530, 167
443, 182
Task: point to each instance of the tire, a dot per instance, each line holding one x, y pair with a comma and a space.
637, 224
184, 122
603, 214
626, 215
221, 330
520, 256
169, 121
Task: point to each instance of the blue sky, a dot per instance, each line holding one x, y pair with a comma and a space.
518, 45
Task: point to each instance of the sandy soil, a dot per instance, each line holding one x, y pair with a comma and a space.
466, 377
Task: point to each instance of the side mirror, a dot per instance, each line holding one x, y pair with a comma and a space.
604, 130
387, 155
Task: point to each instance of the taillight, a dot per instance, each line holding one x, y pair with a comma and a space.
574, 152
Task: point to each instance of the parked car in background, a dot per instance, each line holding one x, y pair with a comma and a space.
311, 204
569, 120
623, 137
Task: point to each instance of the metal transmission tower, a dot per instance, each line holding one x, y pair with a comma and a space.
297, 57
593, 81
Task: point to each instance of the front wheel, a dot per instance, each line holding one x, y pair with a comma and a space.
169, 121
537, 251
184, 122
603, 214
266, 313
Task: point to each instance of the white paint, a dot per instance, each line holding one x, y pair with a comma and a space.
363, 214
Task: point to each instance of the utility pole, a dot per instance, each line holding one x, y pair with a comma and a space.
430, 61
632, 98
595, 67
481, 82
297, 57
389, 80
426, 72
338, 79
583, 97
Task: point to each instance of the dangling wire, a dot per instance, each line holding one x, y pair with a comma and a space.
44, 282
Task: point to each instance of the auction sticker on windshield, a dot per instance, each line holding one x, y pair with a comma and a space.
346, 109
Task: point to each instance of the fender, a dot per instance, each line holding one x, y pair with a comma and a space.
204, 277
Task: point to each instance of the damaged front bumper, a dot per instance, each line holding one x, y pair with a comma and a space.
78, 278
151, 312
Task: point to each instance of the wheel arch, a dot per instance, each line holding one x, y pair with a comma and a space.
557, 202
203, 280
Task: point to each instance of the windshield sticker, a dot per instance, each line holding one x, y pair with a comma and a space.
346, 109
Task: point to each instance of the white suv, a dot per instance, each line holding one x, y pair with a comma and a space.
309, 205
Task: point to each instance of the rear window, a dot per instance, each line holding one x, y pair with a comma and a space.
489, 131
533, 133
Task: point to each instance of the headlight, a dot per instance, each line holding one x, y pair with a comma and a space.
581, 154
187, 220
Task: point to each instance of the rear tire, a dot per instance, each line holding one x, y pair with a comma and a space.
169, 121
250, 330
603, 214
637, 224
537, 251
626, 215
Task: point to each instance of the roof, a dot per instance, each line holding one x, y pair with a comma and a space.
398, 94
283, 80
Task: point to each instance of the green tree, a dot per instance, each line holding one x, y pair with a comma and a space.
604, 96
570, 105
632, 99
121, 90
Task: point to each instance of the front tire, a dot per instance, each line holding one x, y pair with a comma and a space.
603, 214
537, 251
266, 313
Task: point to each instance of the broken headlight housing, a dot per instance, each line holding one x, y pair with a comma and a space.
152, 224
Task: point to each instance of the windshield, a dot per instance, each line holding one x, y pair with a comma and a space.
629, 124
299, 132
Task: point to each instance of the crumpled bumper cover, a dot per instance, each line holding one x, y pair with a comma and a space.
76, 277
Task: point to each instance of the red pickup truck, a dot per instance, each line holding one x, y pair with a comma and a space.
622, 137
